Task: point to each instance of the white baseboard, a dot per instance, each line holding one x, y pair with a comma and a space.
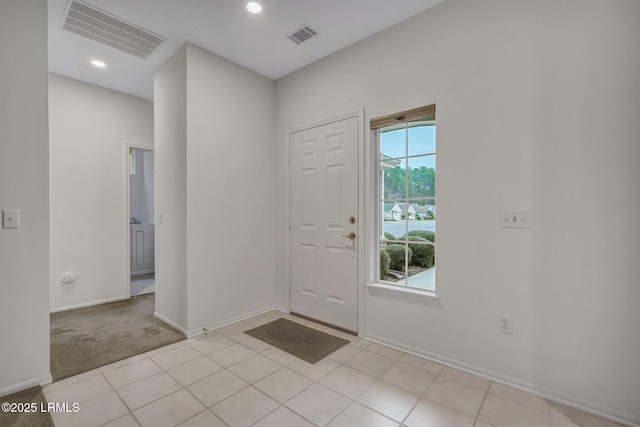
40, 381
281, 309
170, 323
546, 393
199, 331
141, 272
88, 304
191, 333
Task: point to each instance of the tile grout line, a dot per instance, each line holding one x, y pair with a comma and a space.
339, 364
183, 387
307, 387
252, 385
420, 397
131, 411
224, 368
313, 382
486, 393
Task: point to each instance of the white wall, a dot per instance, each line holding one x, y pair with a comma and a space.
170, 155
89, 127
215, 174
231, 170
141, 187
24, 185
537, 106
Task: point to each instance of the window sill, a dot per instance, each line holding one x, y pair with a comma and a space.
404, 293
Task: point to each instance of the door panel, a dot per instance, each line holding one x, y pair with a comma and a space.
324, 195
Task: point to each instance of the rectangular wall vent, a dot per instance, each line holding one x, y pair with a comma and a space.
87, 21
302, 34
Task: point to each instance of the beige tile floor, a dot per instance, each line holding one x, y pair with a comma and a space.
228, 378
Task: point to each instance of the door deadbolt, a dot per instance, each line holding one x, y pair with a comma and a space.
352, 220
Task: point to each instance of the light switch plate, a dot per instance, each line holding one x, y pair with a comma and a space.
11, 218
515, 219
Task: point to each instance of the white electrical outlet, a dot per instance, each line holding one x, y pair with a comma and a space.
505, 325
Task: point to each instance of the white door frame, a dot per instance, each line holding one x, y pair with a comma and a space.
362, 214
127, 211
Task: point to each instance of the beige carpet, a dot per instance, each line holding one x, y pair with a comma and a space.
87, 338
301, 341
34, 399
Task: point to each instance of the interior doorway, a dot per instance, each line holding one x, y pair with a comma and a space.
140, 218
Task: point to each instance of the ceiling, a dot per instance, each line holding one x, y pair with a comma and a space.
258, 42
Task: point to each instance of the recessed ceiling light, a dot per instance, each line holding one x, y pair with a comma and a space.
254, 7
98, 64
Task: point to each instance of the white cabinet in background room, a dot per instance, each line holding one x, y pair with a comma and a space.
141, 249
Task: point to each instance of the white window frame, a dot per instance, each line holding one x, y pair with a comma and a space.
376, 286
132, 161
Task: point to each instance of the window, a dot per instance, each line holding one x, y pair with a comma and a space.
407, 194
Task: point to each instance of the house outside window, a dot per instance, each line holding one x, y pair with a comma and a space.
407, 197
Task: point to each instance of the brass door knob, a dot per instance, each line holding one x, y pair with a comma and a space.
350, 236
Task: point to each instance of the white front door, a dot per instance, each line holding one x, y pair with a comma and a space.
324, 212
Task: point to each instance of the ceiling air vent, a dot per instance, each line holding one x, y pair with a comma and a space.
302, 34
95, 24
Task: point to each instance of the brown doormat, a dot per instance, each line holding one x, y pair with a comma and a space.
298, 340
90, 337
